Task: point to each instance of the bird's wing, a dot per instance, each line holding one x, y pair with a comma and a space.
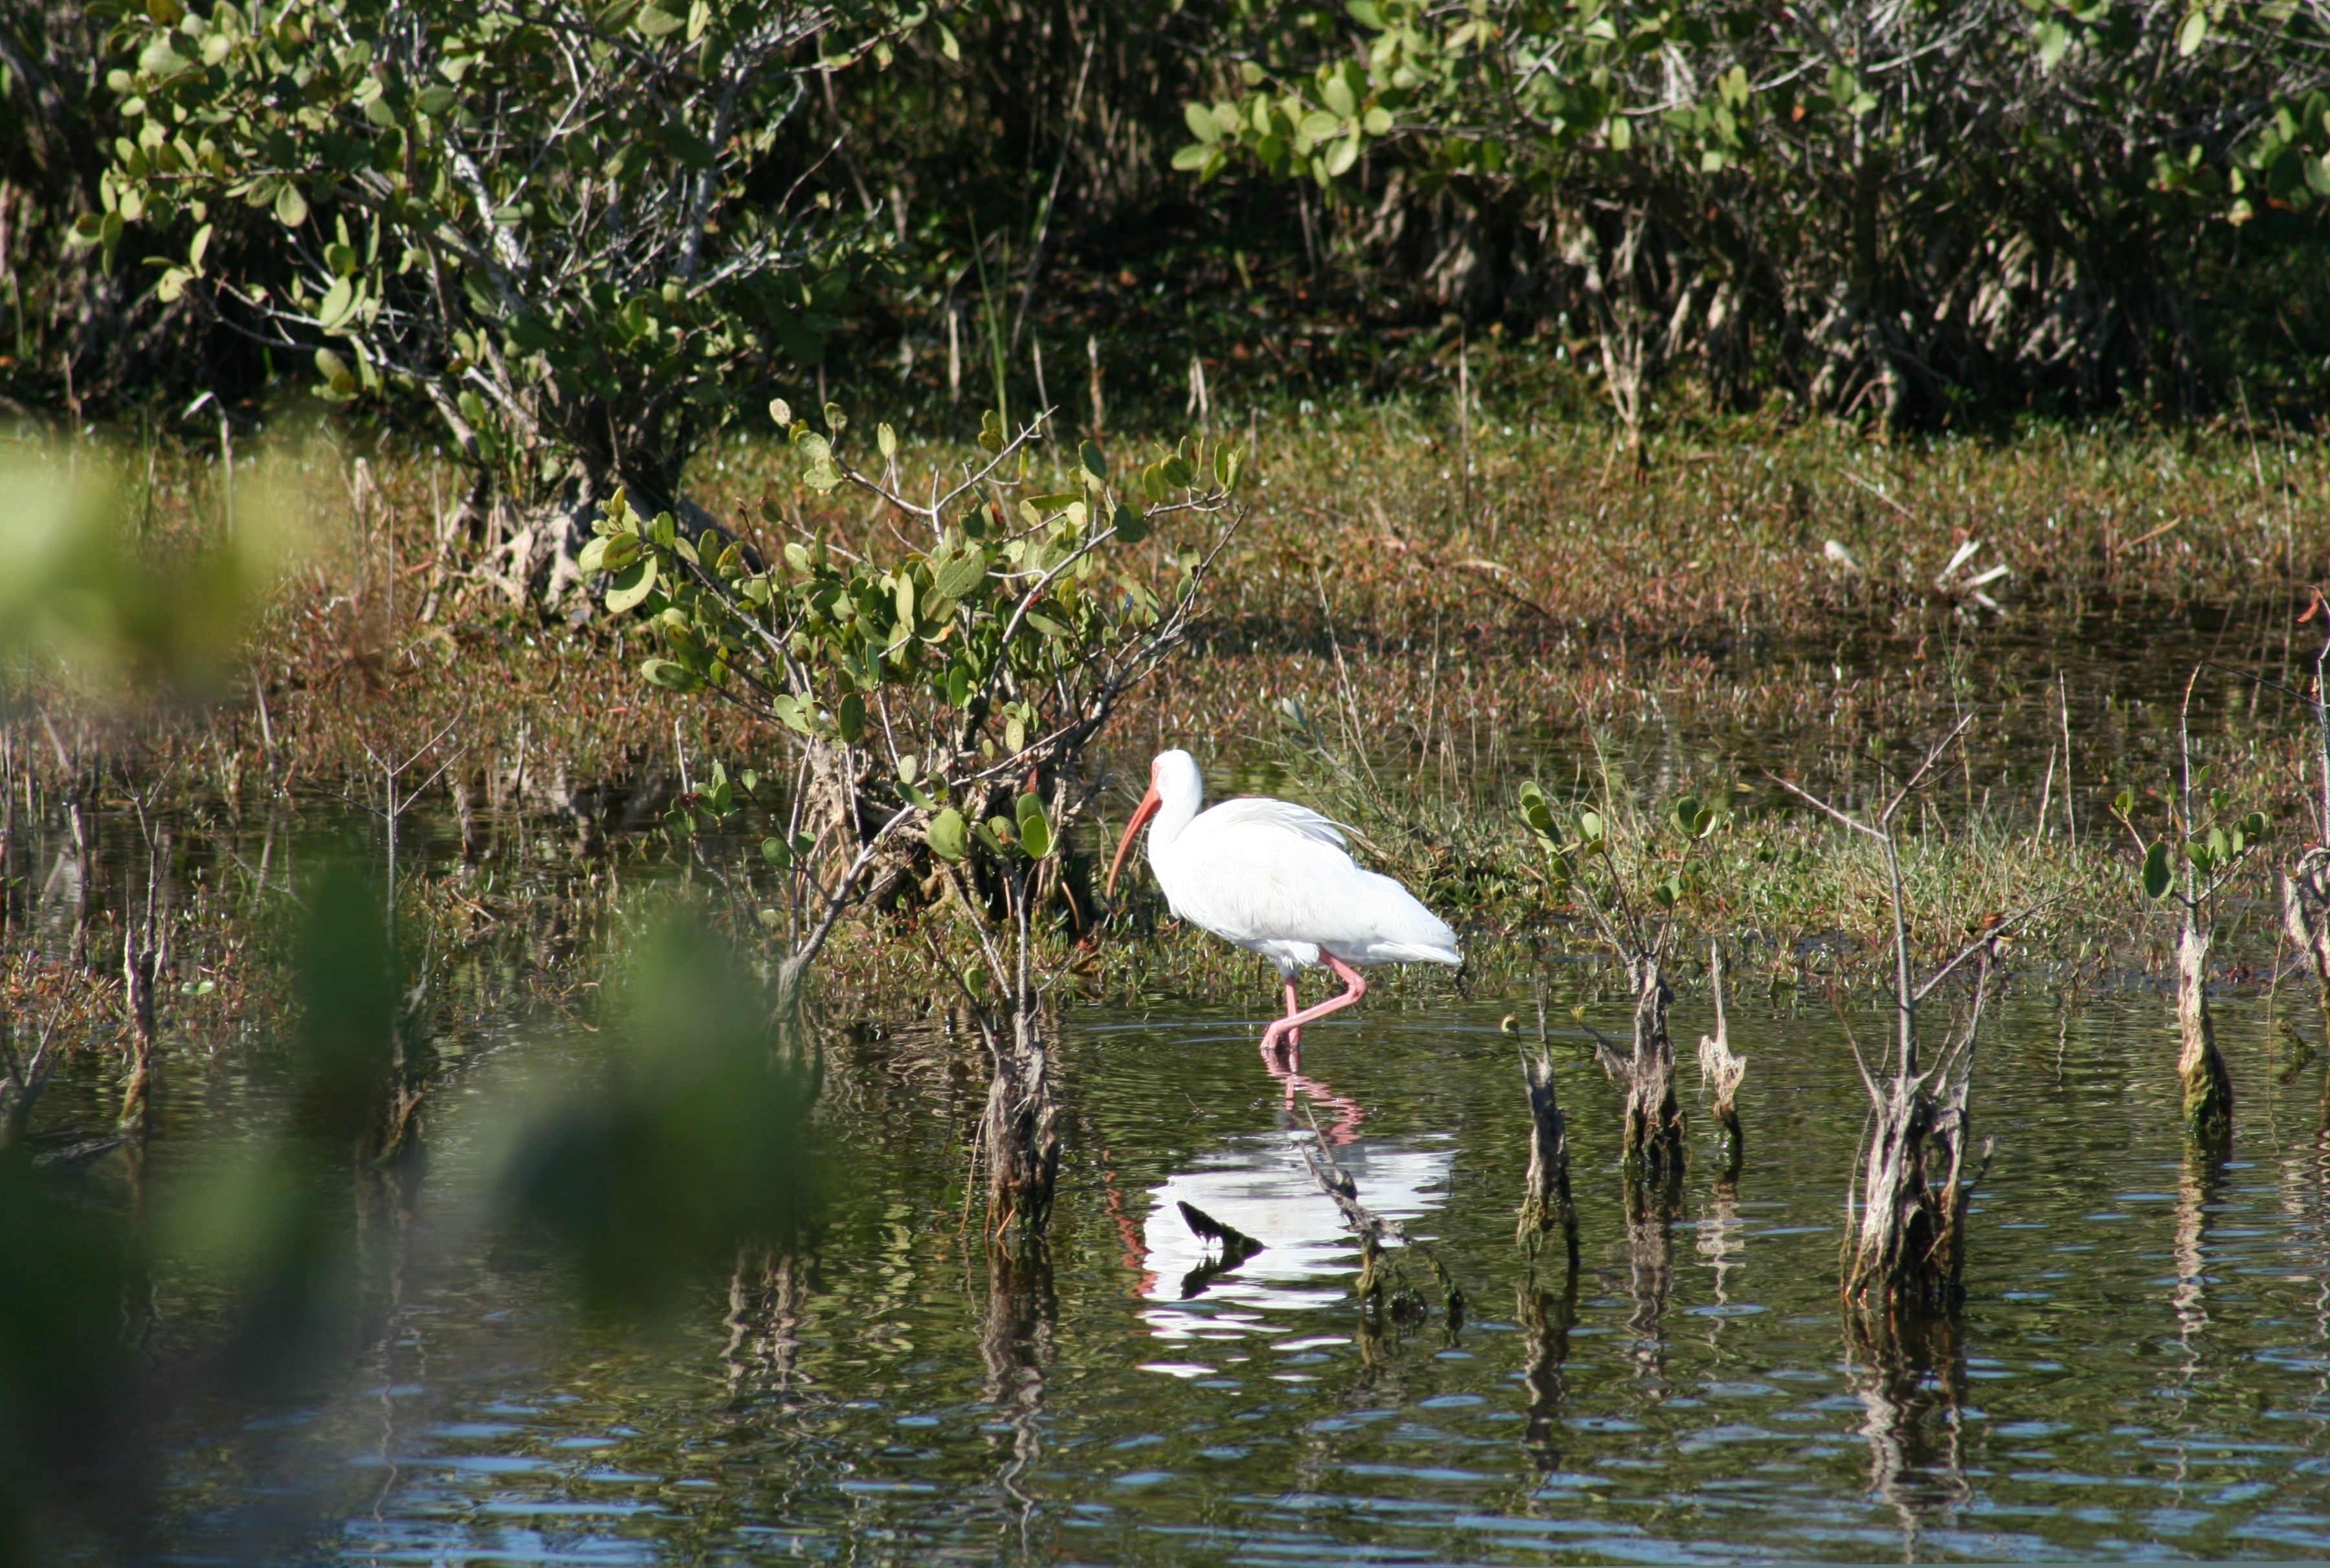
1263, 870
1259, 811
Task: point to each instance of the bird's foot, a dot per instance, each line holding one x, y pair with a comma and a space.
1279, 1042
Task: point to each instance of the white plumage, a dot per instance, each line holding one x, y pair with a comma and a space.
1275, 878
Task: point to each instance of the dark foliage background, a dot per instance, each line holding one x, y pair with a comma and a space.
1023, 177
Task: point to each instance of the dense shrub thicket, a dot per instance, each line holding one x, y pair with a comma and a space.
1922, 211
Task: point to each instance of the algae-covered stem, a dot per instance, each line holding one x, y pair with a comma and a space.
1722, 1069
1546, 1200
2208, 1086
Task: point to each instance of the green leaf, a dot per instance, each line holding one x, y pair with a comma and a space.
850, 718
632, 585
1034, 827
1095, 461
1534, 810
158, 59
1190, 155
1132, 526
2156, 876
290, 206
1589, 827
1686, 816
2195, 31
778, 852
782, 412
670, 674
655, 24
887, 438
959, 577
990, 431
947, 835
339, 299
1200, 118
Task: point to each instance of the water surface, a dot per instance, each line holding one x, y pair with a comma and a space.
2141, 1368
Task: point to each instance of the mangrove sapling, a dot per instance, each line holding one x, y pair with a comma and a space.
1720, 1071
2215, 845
1908, 1246
920, 695
1640, 924
1019, 1129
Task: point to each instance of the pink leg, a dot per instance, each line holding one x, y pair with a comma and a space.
1290, 1026
1294, 1005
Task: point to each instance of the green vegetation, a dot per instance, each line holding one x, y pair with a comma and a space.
1591, 450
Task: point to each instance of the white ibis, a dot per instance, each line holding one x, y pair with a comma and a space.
1274, 878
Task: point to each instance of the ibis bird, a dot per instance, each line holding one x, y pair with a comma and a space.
1275, 878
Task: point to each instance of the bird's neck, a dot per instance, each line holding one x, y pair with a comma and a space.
1174, 813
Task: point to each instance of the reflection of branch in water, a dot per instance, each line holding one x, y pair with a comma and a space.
2196, 1190
1545, 1319
1649, 1259
765, 1297
1404, 1301
1349, 1113
1016, 1343
1235, 1248
1912, 1390
1719, 1242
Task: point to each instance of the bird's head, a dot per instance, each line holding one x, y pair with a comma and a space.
1172, 776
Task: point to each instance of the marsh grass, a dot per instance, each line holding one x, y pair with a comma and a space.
1391, 640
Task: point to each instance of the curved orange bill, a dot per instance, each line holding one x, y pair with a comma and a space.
1149, 806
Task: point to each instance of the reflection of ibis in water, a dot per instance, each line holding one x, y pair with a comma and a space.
1260, 1187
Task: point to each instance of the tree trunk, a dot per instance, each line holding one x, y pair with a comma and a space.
1546, 1202
2306, 915
1722, 1071
2200, 1067
1653, 1144
1910, 1250
1019, 1133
